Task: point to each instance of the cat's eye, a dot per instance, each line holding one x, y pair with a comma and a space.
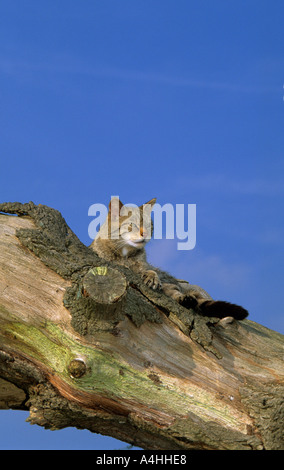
132, 228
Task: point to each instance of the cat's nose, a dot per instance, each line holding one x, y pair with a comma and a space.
143, 232
140, 240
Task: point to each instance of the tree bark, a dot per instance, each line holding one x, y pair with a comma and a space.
84, 343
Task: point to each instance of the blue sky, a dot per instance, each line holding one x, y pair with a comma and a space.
179, 100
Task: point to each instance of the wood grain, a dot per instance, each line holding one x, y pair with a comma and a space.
164, 389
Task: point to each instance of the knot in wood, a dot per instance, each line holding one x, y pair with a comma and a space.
77, 368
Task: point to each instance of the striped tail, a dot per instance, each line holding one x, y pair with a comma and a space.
214, 308
221, 309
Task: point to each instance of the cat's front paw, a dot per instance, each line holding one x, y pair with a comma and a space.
151, 279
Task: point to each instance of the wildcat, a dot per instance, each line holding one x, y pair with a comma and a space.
122, 239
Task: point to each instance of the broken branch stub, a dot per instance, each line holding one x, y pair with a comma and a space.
105, 285
107, 288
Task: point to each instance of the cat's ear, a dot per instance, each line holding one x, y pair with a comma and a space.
114, 207
151, 202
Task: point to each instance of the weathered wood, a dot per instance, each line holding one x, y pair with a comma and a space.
107, 288
152, 385
11, 396
105, 285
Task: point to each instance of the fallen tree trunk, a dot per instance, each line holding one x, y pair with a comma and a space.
84, 343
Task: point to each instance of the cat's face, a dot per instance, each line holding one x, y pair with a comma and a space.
129, 228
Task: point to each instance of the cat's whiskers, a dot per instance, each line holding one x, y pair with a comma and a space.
119, 245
